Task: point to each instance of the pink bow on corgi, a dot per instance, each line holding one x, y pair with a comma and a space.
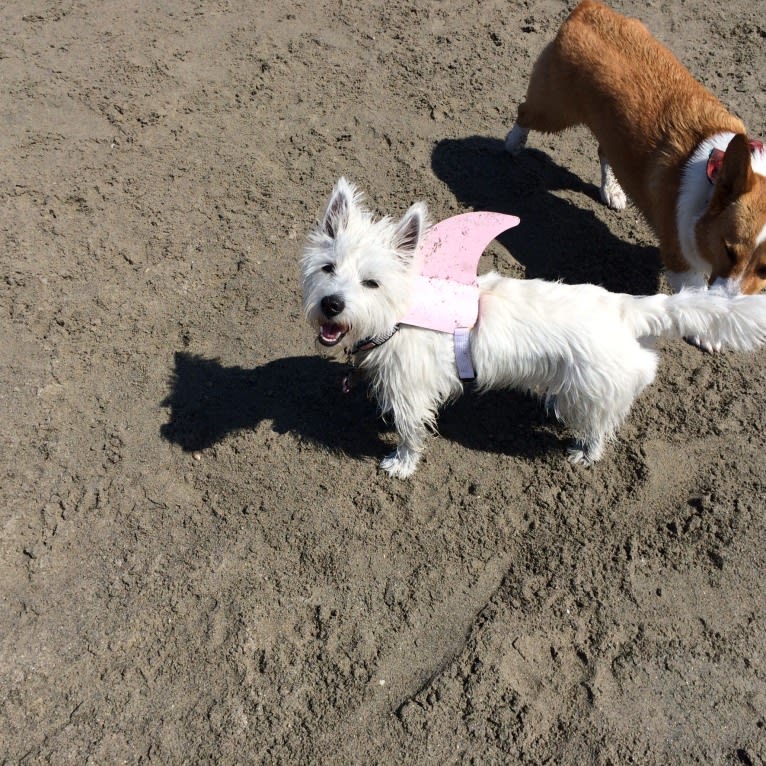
715, 160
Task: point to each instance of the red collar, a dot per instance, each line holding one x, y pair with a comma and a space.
715, 160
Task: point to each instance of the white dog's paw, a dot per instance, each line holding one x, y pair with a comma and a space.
585, 453
611, 192
401, 463
516, 140
579, 456
704, 345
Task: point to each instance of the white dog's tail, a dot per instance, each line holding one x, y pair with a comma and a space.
713, 318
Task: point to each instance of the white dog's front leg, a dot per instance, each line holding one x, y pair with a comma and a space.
411, 414
402, 462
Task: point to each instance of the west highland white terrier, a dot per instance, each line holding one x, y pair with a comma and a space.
585, 351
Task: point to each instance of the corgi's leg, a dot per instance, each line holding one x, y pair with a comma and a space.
696, 280
681, 277
612, 194
516, 139
548, 107
679, 280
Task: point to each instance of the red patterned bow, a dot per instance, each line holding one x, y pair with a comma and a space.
715, 159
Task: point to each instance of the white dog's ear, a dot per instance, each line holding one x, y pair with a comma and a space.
410, 229
338, 208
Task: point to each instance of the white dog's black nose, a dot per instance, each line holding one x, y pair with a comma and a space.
332, 305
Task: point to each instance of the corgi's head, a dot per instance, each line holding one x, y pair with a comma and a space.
731, 234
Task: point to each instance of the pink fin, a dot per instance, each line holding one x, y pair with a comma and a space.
446, 295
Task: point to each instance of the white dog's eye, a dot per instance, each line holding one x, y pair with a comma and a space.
329, 268
371, 283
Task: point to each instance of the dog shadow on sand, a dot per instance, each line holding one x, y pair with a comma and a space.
556, 239
302, 395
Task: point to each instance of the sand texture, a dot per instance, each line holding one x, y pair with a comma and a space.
200, 561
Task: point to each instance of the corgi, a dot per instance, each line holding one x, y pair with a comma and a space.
665, 142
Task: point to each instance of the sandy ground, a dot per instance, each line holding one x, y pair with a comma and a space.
199, 559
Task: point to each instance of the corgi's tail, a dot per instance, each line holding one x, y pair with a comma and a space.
712, 318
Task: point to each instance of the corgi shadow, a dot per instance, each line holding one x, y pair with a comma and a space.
555, 239
302, 395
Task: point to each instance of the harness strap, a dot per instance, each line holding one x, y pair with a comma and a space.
463, 361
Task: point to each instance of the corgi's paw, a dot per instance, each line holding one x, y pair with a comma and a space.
612, 195
516, 140
704, 345
681, 280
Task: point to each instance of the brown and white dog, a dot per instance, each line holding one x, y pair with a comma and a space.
664, 141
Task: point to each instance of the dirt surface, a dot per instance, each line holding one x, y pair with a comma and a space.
199, 559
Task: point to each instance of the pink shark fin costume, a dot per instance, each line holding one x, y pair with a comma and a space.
446, 293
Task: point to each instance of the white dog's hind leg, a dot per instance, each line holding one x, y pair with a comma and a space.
516, 140
590, 419
611, 192
586, 452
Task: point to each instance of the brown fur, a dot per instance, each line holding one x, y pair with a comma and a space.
735, 216
648, 114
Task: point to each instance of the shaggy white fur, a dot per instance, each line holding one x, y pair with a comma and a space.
585, 351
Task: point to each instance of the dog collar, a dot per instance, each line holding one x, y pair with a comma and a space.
715, 159
367, 344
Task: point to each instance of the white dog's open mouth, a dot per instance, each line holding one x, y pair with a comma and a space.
330, 333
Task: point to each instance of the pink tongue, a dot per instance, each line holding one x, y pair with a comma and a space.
330, 331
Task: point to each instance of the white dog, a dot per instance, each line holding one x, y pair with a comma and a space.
587, 352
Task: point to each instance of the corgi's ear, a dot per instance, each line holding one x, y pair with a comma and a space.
336, 215
409, 231
736, 175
